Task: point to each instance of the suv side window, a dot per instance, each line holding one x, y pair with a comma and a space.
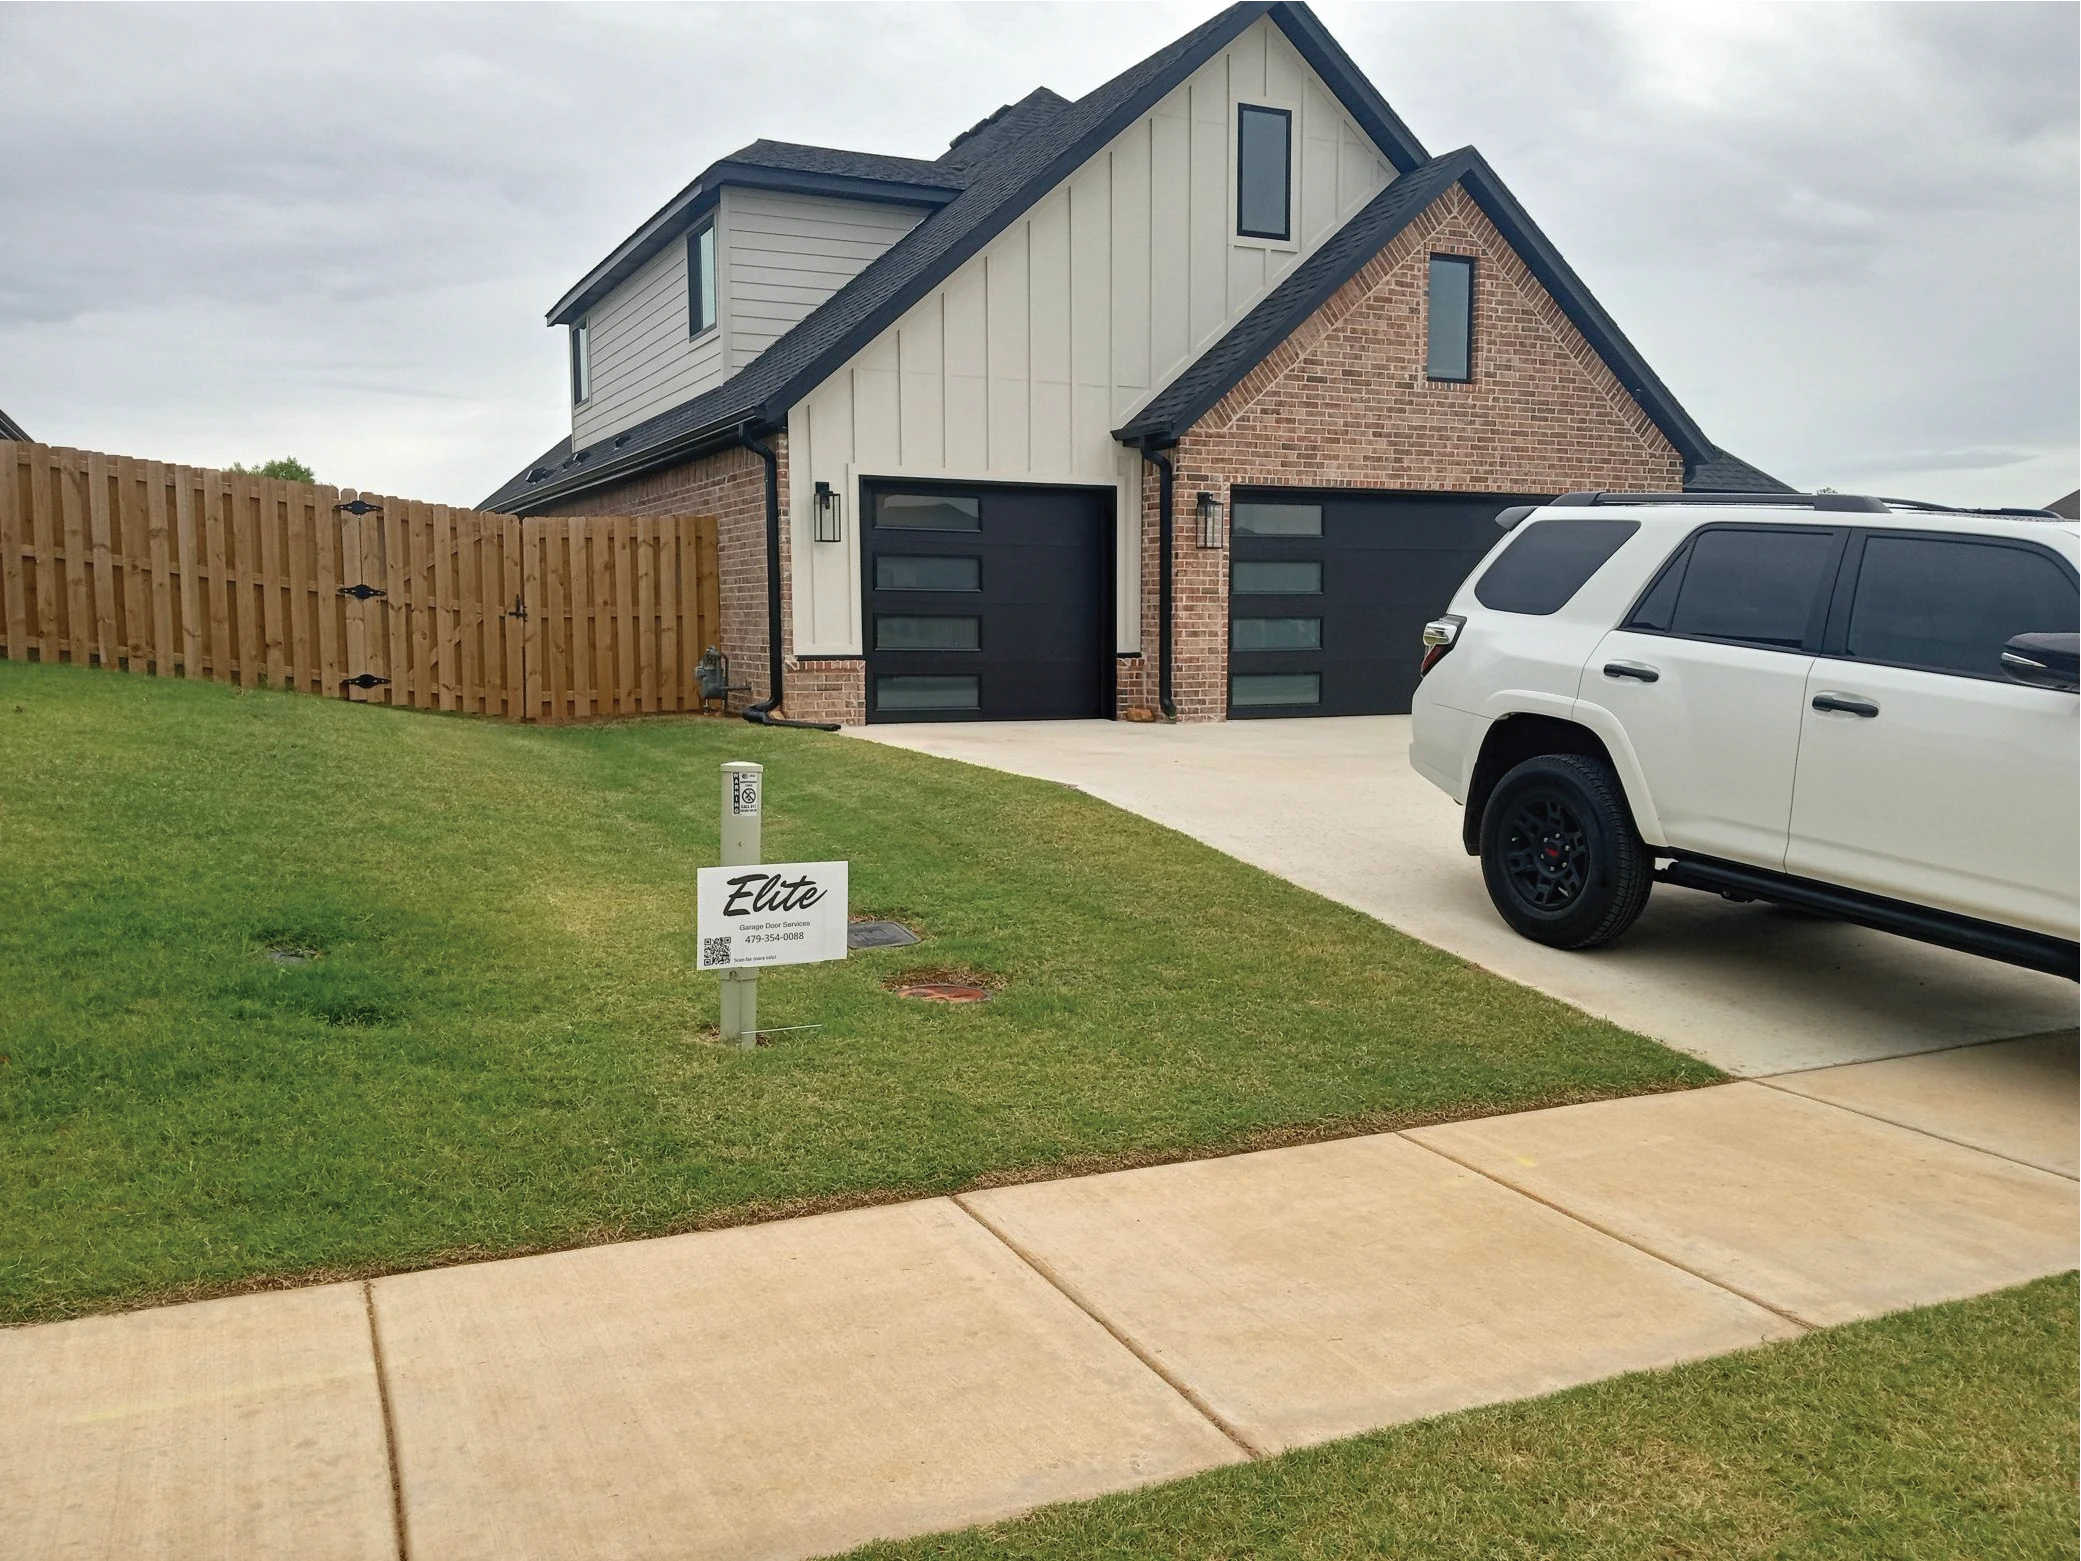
1945, 604
1747, 584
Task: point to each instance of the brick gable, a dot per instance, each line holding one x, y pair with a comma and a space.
1343, 401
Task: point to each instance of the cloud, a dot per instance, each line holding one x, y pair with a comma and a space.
1844, 235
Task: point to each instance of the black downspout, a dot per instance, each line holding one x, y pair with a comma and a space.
761, 714
1162, 463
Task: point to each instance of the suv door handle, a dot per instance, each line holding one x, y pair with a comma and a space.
1848, 704
1638, 670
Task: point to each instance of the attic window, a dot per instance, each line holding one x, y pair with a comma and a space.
1264, 172
1450, 319
700, 279
581, 363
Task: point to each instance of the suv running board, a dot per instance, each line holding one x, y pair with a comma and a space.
2012, 945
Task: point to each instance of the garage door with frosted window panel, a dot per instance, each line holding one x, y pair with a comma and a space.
1329, 591
986, 603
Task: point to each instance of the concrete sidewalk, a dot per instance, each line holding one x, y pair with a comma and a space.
794, 1389
1333, 806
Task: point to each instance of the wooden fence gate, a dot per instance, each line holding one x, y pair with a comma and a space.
176, 570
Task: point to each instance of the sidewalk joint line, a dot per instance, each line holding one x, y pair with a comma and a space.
1120, 1337
1920, 1051
1912, 1127
1623, 1240
397, 1487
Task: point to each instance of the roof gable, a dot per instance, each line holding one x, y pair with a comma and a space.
1189, 397
1011, 162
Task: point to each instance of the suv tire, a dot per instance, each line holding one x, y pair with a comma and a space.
1563, 862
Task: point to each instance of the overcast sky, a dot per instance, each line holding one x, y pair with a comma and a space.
1845, 236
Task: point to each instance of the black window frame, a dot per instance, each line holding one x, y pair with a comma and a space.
1285, 233
700, 279
581, 361
1820, 617
1835, 637
1430, 304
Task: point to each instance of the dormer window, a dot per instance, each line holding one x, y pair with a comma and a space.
700, 279
1264, 172
581, 363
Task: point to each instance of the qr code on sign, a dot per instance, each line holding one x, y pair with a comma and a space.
715, 951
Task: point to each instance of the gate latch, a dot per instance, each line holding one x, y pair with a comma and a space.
363, 680
519, 608
362, 592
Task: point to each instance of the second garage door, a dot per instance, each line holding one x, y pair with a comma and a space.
987, 603
1329, 592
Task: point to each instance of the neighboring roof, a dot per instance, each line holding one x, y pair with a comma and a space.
1724, 473
10, 429
1024, 152
1221, 367
2070, 506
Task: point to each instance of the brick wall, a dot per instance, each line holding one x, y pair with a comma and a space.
731, 485
1344, 402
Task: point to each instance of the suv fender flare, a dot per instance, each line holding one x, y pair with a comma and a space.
1521, 724
1612, 733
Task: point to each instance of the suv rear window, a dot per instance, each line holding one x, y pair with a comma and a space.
1741, 583
1548, 562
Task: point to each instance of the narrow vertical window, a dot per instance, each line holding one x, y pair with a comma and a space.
700, 279
1451, 318
1264, 172
581, 363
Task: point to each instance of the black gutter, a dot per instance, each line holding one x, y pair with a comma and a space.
1164, 480
761, 714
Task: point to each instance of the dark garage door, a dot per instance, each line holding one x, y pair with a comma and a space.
1329, 592
987, 603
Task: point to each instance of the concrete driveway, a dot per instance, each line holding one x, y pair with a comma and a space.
1333, 805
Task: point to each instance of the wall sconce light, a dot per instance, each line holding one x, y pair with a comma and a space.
830, 514
1210, 527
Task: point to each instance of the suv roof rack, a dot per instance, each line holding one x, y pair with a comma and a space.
1862, 503
1820, 501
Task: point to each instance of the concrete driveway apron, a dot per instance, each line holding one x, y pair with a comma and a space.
1333, 806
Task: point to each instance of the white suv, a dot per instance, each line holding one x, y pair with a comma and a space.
1861, 707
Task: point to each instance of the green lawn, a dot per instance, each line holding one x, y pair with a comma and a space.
1947, 1432
504, 1046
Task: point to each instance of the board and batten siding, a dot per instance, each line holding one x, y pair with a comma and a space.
1019, 366
776, 258
787, 254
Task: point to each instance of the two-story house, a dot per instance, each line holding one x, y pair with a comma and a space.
1196, 395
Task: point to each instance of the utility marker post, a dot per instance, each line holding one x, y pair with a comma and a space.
742, 785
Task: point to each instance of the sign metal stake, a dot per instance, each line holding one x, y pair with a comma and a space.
742, 785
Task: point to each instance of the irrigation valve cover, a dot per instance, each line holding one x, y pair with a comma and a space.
776, 913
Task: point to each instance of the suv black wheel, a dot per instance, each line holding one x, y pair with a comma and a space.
1563, 862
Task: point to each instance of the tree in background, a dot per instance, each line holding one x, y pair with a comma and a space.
288, 468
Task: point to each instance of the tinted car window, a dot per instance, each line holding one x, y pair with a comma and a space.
1950, 605
1750, 586
1548, 562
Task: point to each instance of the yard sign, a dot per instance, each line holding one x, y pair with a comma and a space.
775, 913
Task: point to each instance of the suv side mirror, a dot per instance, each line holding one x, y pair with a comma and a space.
2045, 661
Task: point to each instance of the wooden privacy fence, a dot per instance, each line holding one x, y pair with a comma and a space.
176, 570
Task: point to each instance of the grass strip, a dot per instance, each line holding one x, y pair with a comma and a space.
1943, 1432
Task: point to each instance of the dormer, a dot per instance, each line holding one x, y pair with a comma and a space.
728, 266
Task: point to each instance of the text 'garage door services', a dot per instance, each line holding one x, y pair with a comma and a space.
1329, 593
987, 603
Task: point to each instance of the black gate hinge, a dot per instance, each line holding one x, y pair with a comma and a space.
363, 680
359, 507
363, 592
